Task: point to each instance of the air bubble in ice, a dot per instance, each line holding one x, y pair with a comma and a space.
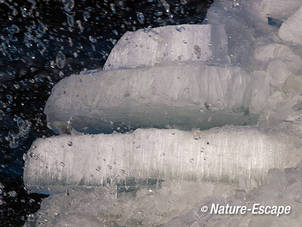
112, 7
12, 194
30, 218
60, 60
91, 39
165, 5
140, 17
79, 23
158, 13
68, 5
32, 2
42, 28
9, 99
115, 32
34, 156
13, 29
180, 28
86, 16
70, 20
24, 12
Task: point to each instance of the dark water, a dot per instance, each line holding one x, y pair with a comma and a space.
43, 41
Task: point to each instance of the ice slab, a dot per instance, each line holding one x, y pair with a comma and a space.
184, 96
238, 155
161, 45
291, 29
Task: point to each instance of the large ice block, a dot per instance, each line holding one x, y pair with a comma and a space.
291, 29
161, 45
229, 154
184, 96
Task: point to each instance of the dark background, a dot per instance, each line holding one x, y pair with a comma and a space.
44, 41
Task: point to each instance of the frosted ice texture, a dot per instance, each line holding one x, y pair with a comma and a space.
162, 45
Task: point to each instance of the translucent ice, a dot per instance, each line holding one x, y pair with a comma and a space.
185, 96
291, 29
284, 188
278, 9
276, 51
149, 207
161, 45
240, 155
179, 81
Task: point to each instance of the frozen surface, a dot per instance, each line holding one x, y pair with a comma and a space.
291, 29
180, 95
162, 45
240, 155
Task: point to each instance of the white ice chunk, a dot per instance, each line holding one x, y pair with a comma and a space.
185, 96
293, 85
275, 93
240, 34
260, 92
240, 155
279, 9
291, 29
275, 51
278, 72
282, 192
148, 47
